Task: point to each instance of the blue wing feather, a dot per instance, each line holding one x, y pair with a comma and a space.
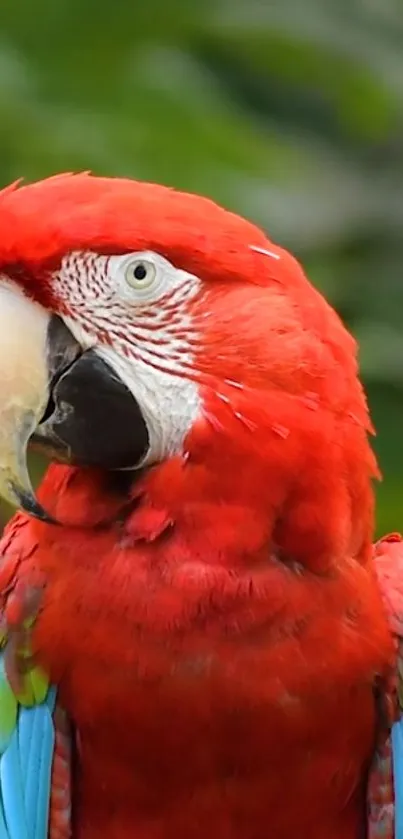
12, 791
26, 756
3, 829
397, 751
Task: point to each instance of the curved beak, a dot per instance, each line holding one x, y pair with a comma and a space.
25, 378
65, 401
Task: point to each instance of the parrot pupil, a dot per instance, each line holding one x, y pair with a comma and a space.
140, 272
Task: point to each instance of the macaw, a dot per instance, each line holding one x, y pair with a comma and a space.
197, 636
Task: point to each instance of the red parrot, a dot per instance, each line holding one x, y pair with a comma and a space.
196, 576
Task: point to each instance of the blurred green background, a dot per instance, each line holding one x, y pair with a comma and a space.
289, 112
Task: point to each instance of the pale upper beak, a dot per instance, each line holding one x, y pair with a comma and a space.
70, 403
24, 391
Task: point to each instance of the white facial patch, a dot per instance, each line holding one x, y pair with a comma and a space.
134, 310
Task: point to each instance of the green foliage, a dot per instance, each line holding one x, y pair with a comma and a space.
290, 113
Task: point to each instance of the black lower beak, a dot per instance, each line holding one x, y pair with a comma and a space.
92, 418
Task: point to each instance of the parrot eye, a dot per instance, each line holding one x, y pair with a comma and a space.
144, 277
140, 274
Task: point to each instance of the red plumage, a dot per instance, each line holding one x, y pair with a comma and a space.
216, 631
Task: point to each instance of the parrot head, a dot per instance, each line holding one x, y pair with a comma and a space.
139, 325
